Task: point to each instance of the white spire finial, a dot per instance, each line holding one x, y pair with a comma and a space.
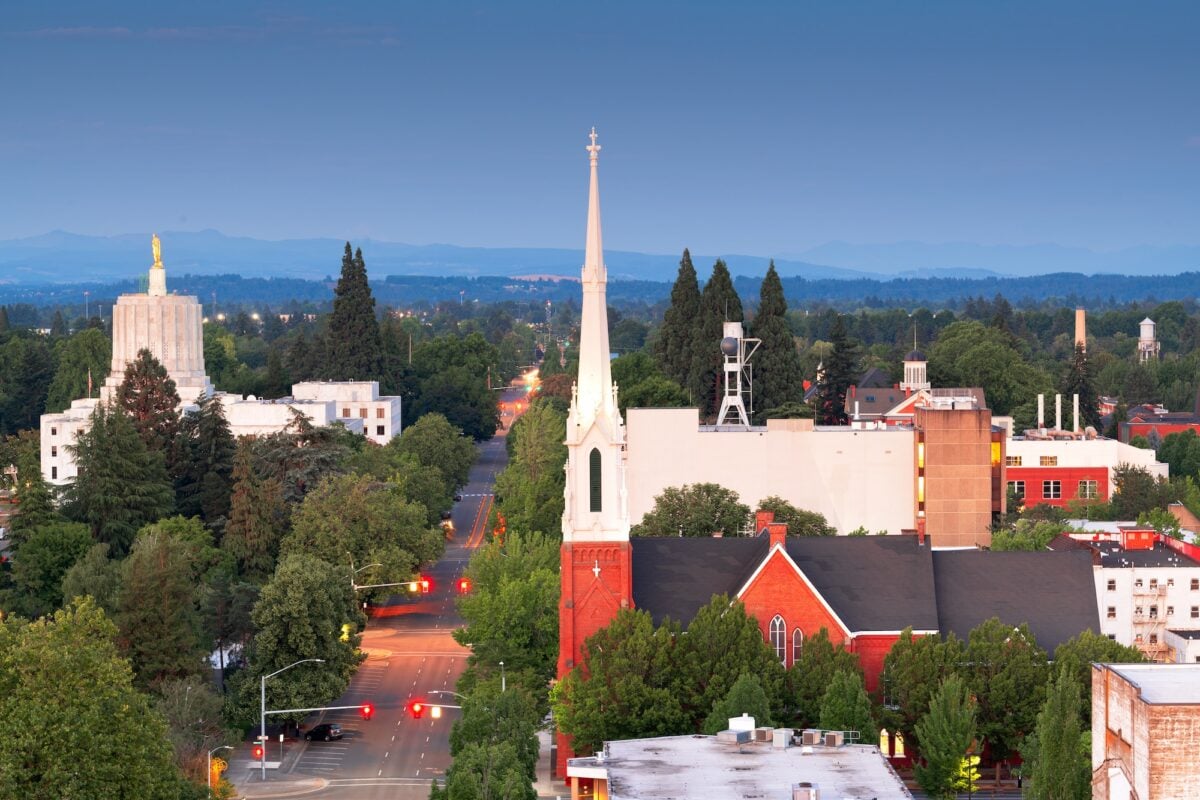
593, 148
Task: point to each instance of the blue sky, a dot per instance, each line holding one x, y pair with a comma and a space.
763, 128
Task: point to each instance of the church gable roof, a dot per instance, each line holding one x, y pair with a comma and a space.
676, 576
873, 583
1054, 592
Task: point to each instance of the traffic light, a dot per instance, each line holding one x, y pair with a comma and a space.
258, 752
367, 710
416, 708
421, 584
425, 585
464, 585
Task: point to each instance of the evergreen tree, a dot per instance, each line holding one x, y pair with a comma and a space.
746, 696
58, 325
121, 484
846, 706
1078, 380
719, 303
3, 319
777, 374
946, 733
204, 481
673, 346
257, 519
26, 369
35, 499
811, 674
147, 394
840, 373
355, 349
277, 382
1060, 768
42, 560
299, 456
157, 608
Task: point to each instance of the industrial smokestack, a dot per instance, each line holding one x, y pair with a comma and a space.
1058, 412
1041, 411
1081, 327
1075, 411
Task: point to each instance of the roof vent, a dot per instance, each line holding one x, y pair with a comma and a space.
805, 791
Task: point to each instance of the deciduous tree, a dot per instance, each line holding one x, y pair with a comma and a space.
44, 556
1060, 770
845, 706
812, 673
946, 732
799, 522
83, 362
745, 697
698, 509
437, 443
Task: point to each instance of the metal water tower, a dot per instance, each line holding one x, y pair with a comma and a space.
739, 376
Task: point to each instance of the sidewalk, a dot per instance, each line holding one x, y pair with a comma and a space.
545, 786
246, 775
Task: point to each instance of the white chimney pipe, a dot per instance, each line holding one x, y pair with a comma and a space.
1058, 412
1041, 411
1075, 410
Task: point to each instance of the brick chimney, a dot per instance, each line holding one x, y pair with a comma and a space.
762, 519
778, 531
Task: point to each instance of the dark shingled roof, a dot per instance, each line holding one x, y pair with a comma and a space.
1052, 591
873, 583
676, 576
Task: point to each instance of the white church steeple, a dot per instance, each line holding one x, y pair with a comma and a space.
595, 506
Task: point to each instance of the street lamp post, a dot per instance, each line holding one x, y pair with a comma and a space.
503, 684
353, 572
262, 688
210, 752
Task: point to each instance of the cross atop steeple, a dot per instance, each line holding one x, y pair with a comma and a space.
593, 149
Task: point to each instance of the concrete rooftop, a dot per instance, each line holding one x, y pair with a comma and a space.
1165, 684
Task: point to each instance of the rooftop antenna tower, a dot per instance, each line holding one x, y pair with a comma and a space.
739, 376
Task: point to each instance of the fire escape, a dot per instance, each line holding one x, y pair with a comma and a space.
1149, 623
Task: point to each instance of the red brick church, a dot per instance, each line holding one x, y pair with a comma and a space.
863, 590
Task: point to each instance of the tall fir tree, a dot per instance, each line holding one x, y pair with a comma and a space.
778, 378
257, 519
276, 381
58, 326
840, 373
204, 481
147, 394
673, 347
3, 319
1078, 380
122, 485
719, 303
355, 348
35, 500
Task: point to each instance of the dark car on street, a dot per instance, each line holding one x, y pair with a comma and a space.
326, 731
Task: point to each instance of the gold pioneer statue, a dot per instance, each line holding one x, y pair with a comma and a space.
156, 246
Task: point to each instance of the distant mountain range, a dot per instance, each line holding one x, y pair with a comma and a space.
60, 257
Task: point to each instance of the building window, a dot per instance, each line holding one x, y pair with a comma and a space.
1052, 490
1153, 612
1017, 488
1154, 638
379, 413
1112, 612
54, 473
1048, 461
379, 430
779, 639
1195, 612
594, 478
1137, 612
1170, 611
1137, 638
1112, 584
54, 431
1088, 490
362, 412
797, 645
1012, 461
1170, 582
345, 412
1112, 636
1195, 584
54, 451
1197, 659
1137, 583
1154, 583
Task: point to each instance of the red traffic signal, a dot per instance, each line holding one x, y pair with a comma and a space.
464, 585
416, 708
425, 585
258, 752
367, 710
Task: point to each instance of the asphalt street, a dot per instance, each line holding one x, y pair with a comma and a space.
410, 654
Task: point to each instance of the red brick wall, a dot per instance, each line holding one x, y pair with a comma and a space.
779, 590
1069, 477
1128, 430
872, 649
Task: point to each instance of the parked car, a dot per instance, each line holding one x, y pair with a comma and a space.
457, 497
326, 731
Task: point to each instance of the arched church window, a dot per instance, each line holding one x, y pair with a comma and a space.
779, 639
594, 478
797, 645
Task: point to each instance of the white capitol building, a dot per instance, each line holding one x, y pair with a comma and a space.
171, 327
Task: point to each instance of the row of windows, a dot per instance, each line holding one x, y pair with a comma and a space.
778, 637
1045, 461
1052, 490
362, 412
1112, 584
1139, 611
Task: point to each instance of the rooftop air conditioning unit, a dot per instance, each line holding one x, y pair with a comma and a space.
810, 737
805, 791
834, 739
763, 734
733, 737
